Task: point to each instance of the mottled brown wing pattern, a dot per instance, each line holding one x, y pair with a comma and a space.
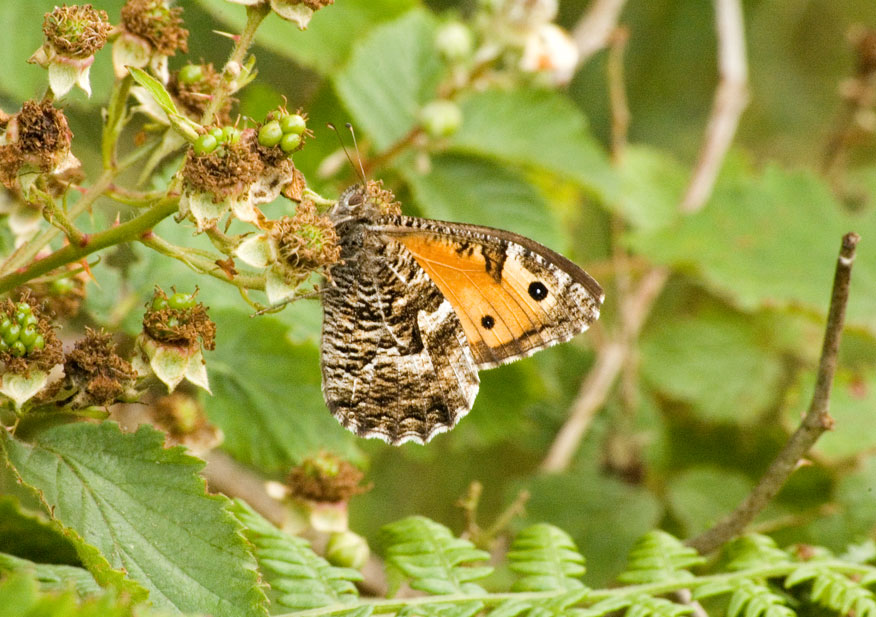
512, 295
395, 361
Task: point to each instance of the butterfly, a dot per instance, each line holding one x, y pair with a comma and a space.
416, 307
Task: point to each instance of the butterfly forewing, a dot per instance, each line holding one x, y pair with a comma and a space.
512, 295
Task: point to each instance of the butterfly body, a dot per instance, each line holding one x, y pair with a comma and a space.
415, 307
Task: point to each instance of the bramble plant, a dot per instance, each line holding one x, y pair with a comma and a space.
164, 238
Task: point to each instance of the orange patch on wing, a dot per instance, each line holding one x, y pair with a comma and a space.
475, 294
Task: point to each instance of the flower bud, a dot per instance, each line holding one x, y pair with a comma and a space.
441, 118
347, 550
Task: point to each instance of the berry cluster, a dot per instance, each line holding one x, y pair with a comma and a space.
18, 332
215, 137
179, 301
285, 132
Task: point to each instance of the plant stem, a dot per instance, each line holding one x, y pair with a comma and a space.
254, 16
125, 232
115, 120
814, 424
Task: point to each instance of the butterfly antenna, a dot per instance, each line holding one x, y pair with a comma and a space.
358, 154
344, 148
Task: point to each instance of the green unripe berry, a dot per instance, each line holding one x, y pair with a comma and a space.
173, 322
5, 324
159, 303
218, 133
38, 343
18, 349
270, 134
3, 346
61, 287
28, 336
30, 320
293, 123
21, 317
11, 334
190, 74
232, 135
454, 41
23, 307
181, 301
205, 144
290, 142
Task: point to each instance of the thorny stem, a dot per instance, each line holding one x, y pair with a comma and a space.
55, 215
125, 232
814, 424
254, 16
201, 263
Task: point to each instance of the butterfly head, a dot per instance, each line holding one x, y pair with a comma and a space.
364, 202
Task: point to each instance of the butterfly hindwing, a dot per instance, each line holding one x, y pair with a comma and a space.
512, 295
395, 361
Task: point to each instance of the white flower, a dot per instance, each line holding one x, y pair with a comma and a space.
551, 51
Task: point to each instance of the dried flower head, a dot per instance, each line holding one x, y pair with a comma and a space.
158, 23
225, 172
382, 197
326, 478
181, 327
99, 376
191, 89
27, 337
76, 31
305, 242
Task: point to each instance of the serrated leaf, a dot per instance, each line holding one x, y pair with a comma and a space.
20, 596
28, 535
156, 89
144, 508
432, 558
52, 576
474, 190
770, 241
659, 556
391, 73
548, 558
299, 578
540, 128
327, 42
267, 396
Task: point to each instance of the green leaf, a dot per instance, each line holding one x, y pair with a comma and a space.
473, 190
749, 598
53, 576
299, 578
652, 184
392, 72
722, 363
647, 606
752, 551
456, 609
20, 596
547, 558
541, 128
25, 534
770, 241
143, 507
701, 495
659, 556
267, 397
852, 401
329, 37
155, 89
432, 558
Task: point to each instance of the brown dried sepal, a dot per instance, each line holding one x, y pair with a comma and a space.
180, 327
315, 5
38, 135
194, 97
230, 170
156, 22
306, 241
326, 479
97, 373
77, 31
295, 189
43, 359
383, 198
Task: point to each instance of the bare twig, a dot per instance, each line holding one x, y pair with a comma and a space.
227, 476
731, 98
595, 389
814, 424
595, 29
620, 111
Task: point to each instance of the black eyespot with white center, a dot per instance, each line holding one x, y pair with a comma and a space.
537, 290
488, 322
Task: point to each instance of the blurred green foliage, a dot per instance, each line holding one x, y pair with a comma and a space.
724, 366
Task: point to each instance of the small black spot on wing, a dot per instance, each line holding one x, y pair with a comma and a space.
537, 290
487, 321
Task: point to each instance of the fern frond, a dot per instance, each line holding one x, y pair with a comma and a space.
462, 609
749, 599
659, 556
431, 558
299, 578
547, 559
547, 607
648, 606
754, 551
836, 592
604, 607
